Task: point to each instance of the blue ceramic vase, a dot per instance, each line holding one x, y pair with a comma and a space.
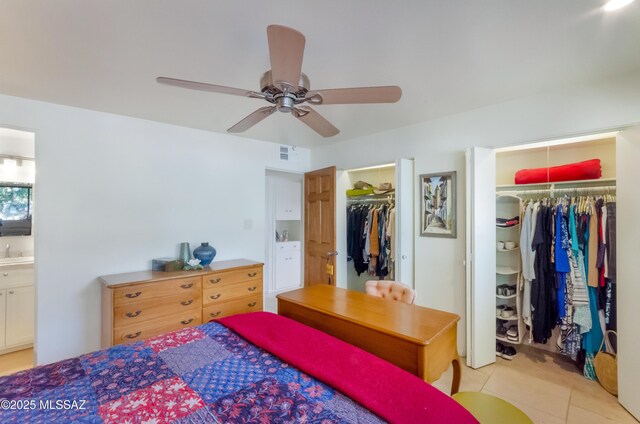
205, 253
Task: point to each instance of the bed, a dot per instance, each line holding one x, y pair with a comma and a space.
250, 368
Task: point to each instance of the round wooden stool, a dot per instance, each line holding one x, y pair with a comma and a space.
489, 409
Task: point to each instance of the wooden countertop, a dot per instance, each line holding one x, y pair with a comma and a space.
131, 278
410, 322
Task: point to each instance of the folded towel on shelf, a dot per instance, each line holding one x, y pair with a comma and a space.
586, 170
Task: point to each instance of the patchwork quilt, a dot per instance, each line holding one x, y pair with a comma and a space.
205, 374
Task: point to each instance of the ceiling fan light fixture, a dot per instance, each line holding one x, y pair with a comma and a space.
286, 87
612, 5
285, 104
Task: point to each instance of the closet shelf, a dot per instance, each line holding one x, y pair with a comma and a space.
505, 340
509, 250
506, 297
513, 318
505, 270
610, 181
508, 228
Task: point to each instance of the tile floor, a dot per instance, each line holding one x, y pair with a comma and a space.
545, 386
16, 361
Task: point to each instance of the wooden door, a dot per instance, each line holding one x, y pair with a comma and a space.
320, 227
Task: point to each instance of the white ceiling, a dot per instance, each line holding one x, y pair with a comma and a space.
448, 55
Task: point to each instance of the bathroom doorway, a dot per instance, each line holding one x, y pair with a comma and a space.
17, 276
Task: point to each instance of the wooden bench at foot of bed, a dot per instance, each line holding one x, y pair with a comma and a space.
419, 340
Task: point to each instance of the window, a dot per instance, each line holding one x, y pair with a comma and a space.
15, 209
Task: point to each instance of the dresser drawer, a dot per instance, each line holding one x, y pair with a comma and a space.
141, 292
145, 310
232, 291
240, 306
146, 329
230, 277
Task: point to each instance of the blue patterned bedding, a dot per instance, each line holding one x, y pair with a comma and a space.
205, 374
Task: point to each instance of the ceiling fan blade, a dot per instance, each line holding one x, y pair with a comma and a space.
202, 86
316, 121
336, 96
286, 49
252, 119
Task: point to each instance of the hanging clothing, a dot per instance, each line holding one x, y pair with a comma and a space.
542, 299
562, 266
601, 246
527, 252
605, 259
528, 255
391, 235
374, 243
611, 241
356, 224
592, 274
368, 238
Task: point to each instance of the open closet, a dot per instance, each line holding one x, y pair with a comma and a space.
556, 248
571, 328
375, 224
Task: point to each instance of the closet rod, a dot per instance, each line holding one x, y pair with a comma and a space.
574, 190
379, 198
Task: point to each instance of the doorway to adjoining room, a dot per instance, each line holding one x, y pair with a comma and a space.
17, 277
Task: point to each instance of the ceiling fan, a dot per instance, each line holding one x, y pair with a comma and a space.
287, 88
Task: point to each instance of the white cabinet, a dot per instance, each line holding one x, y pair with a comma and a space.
287, 269
20, 316
3, 315
17, 306
288, 200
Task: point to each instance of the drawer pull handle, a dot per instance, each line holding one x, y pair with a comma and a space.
187, 302
133, 336
252, 288
6, 274
215, 296
187, 286
134, 314
132, 295
215, 281
215, 314
252, 274
186, 321
252, 304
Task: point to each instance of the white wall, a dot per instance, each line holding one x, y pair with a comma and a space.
439, 145
114, 192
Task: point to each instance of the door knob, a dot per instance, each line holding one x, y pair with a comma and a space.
334, 253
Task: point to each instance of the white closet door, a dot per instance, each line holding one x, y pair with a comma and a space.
404, 222
628, 267
481, 256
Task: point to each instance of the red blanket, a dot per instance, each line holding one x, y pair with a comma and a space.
587, 170
390, 392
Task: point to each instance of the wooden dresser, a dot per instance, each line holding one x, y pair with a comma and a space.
139, 305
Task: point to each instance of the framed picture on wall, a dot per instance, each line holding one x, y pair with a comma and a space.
438, 204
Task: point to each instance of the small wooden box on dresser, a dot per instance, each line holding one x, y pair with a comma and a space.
139, 305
